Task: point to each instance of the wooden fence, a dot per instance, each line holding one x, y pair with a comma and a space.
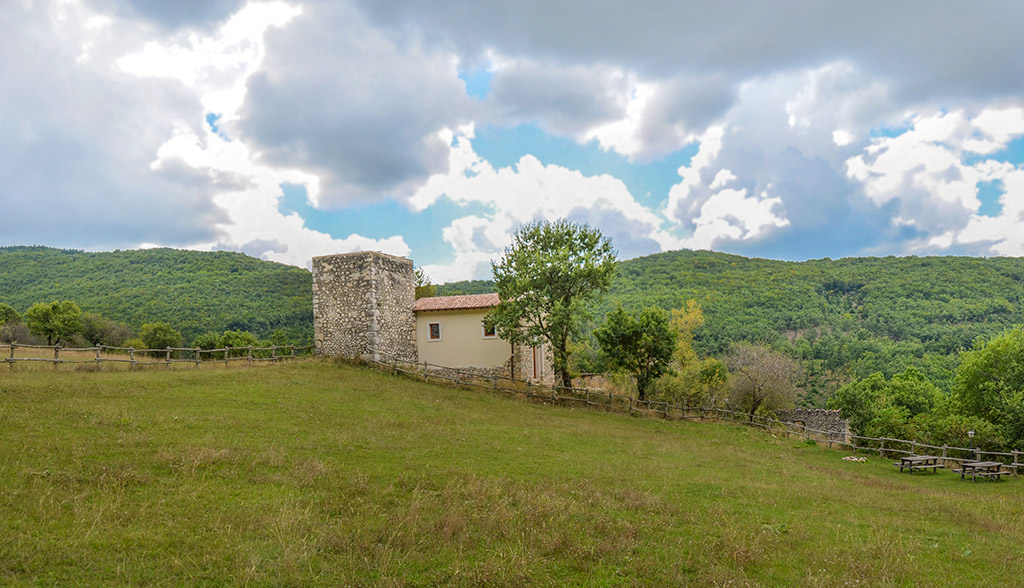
613, 402
131, 356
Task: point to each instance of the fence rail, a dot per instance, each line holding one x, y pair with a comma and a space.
613, 402
169, 355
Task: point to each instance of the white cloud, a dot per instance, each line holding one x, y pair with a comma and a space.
252, 207
924, 172
217, 67
527, 191
730, 214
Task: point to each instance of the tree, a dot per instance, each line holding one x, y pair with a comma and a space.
424, 289
686, 320
159, 336
100, 331
640, 344
238, 340
990, 384
700, 383
761, 378
54, 320
8, 314
207, 341
544, 279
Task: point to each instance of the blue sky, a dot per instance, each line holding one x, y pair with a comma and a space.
289, 129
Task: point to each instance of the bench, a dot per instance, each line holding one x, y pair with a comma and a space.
919, 463
975, 473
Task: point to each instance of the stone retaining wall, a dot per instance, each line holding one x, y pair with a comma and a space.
818, 419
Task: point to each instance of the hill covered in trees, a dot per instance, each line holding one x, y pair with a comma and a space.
194, 291
843, 318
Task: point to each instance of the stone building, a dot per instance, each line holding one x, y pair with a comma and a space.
364, 306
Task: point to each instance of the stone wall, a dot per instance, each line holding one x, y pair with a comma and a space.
364, 301
818, 419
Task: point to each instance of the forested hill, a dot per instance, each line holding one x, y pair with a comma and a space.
854, 315
194, 291
849, 316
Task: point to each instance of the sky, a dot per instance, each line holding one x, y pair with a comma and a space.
289, 129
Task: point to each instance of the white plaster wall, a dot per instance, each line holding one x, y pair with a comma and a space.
462, 342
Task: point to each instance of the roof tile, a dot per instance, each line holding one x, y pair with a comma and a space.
464, 302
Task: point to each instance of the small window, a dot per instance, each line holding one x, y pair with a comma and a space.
434, 332
489, 332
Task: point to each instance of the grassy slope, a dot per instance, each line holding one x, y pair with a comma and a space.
319, 474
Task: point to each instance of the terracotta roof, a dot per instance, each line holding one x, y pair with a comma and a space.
464, 302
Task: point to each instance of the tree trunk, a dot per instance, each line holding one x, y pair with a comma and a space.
561, 361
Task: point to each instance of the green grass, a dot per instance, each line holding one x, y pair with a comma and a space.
323, 474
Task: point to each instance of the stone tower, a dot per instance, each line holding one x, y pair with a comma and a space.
363, 306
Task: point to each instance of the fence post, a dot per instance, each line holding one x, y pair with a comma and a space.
98, 349
273, 354
881, 447
977, 454
131, 355
293, 351
11, 360
226, 350
56, 355
248, 359
945, 449
913, 448
167, 357
197, 350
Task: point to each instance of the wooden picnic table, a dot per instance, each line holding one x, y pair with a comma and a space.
985, 469
919, 462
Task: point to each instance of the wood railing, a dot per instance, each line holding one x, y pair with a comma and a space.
614, 402
129, 355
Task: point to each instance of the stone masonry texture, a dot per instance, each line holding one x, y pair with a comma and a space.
363, 306
818, 419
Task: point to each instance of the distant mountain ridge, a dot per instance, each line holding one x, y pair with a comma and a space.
194, 291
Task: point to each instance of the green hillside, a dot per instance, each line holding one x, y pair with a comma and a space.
194, 291
849, 316
844, 318
317, 474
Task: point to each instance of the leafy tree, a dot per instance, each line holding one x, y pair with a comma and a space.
207, 341
135, 343
100, 331
8, 314
424, 289
159, 336
700, 383
13, 331
640, 344
990, 384
240, 339
761, 378
279, 337
544, 281
880, 407
54, 320
685, 321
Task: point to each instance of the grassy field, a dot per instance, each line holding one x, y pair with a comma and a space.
322, 474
